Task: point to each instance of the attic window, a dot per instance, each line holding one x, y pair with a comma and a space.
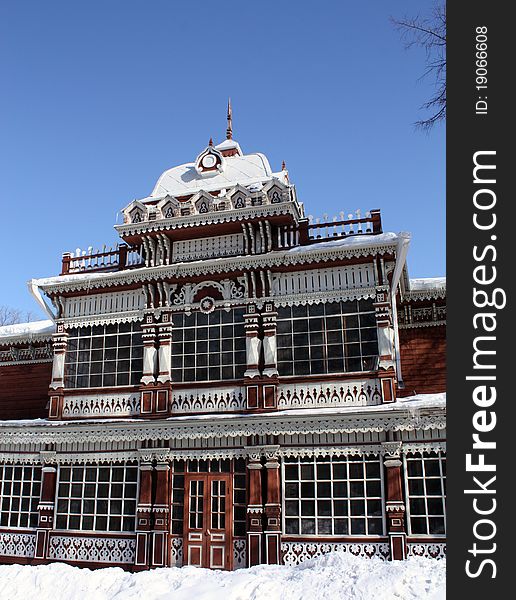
275, 197
169, 213
240, 202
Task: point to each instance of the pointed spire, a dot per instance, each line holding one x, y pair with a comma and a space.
229, 130
210, 143
283, 166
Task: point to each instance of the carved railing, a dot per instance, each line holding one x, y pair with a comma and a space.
118, 258
325, 229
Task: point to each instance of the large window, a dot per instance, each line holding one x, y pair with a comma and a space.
425, 477
104, 356
208, 347
91, 498
19, 496
336, 337
333, 496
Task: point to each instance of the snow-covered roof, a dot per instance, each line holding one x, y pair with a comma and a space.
426, 283
19, 331
243, 169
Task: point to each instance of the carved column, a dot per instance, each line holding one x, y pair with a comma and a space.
164, 379
253, 347
150, 365
143, 515
254, 512
46, 506
394, 503
270, 355
60, 339
386, 370
273, 512
160, 510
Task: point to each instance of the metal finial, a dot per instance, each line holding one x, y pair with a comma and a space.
210, 143
283, 166
229, 130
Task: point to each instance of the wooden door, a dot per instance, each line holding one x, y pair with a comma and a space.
207, 527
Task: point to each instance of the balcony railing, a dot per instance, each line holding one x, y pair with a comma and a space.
355, 224
118, 258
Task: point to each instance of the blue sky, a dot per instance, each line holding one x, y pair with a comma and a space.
100, 97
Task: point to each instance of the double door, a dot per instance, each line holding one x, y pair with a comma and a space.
208, 518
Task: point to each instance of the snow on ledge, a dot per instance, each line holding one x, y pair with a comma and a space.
334, 576
427, 283
27, 329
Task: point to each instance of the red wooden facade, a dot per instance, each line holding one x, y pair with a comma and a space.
233, 384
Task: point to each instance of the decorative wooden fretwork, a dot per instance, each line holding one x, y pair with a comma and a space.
325, 394
26, 355
239, 554
209, 247
426, 549
101, 405
21, 544
426, 316
206, 400
323, 280
294, 553
176, 552
118, 550
99, 304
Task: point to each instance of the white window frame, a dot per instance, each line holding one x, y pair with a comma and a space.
331, 536
440, 455
33, 499
109, 498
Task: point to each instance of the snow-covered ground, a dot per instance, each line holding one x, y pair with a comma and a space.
336, 576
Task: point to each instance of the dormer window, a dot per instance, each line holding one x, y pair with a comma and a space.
203, 207
136, 216
169, 212
209, 162
275, 197
240, 202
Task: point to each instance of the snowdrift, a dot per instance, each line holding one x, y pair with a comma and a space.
335, 576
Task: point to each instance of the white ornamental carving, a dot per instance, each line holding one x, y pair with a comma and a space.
176, 552
239, 554
294, 553
206, 400
101, 405
92, 549
323, 280
17, 544
99, 304
428, 550
327, 394
210, 247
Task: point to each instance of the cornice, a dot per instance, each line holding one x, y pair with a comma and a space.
403, 419
210, 218
277, 259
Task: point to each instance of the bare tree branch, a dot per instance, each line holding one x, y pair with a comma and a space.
429, 33
11, 316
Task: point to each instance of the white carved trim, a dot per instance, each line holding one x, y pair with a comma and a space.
239, 554
176, 552
279, 260
198, 429
92, 549
330, 393
428, 550
421, 447
228, 399
102, 405
210, 247
294, 553
320, 451
21, 544
323, 280
126, 301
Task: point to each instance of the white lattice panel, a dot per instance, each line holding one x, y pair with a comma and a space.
294, 553
207, 400
428, 550
327, 394
100, 304
17, 544
323, 280
92, 549
222, 245
102, 405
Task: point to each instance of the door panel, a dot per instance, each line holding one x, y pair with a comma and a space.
208, 518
